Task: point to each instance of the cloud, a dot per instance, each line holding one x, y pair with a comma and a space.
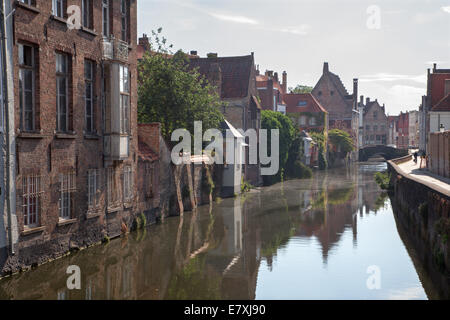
446, 9
299, 30
233, 18
406, 294
387, 77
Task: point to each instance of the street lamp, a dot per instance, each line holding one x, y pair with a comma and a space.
442, 128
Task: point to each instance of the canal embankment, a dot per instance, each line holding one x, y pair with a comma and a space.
423, 203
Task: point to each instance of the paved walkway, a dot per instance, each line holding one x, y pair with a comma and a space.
422, 175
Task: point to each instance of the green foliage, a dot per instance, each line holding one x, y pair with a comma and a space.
320, 139
383, 179
277, 120
301, 171
143, 220
296, 152
245, 186
301, 89
341, 140
173, 94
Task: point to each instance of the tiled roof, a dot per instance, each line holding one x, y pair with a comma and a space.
235, 72
443, 105
145, 153
312, 105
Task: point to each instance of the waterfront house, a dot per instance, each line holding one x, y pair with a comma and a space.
75, 94
271, 91
375, 129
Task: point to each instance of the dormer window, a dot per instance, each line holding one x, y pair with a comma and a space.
302, 103
332, 93
320, 93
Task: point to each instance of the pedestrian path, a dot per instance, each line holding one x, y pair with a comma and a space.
434, 181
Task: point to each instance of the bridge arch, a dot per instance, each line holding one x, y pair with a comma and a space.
386, 152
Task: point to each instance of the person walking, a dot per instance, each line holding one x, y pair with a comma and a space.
416, 154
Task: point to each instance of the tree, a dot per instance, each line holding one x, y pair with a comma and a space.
341, 141
173, 94
277, 120
319, 139
301, 89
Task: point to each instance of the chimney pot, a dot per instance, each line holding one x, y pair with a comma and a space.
367, 100
193, 53
212, 55
325, 67
434, 67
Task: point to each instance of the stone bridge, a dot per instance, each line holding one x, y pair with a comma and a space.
386, 152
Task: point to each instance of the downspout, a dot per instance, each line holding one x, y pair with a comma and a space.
9, 113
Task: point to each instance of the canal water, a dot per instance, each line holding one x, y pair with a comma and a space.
331, 237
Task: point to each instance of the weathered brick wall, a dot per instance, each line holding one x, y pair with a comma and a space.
439, 153
46, 154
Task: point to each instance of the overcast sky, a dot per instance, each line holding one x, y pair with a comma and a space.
299, 35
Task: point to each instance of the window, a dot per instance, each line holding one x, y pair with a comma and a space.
124, 100
148, 179
87, 13
62, 105
58, 7
66, 200
302, 120
367, 127
31, 200
378, 138
312, 121
105, 10
127, 184
375, 128
93, 189
124, 19
89, 95
332, 93
302, 104
383, 128
29, 2
111, 186
27, 87
375, 115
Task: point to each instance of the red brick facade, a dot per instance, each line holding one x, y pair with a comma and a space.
48, 148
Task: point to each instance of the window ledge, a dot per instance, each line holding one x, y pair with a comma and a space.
92, 136
89, 31
27, 231
93, 214
31, 135
62, 20
62, 223
65, 136
27, 7
114, 209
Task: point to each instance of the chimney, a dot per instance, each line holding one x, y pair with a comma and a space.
284, 84
367, 101
269, 73
144, 42
193, 53
361, 101
325, 67
434, 67
212, 55
275, 76
355, 93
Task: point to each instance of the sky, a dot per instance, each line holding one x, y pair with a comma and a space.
387, 45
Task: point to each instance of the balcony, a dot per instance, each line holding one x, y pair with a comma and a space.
115, 50
117, 147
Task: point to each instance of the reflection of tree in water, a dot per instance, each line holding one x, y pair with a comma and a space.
380, 203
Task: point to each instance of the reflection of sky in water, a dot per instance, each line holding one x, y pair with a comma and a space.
344, 275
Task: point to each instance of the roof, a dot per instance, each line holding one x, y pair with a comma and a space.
145, 153
443, 105
236, 72
437, 85
312, 105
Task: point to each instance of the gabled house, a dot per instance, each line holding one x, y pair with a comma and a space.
235, 80
342, 107
434, 115
392, 131
306, 112
271, 91
375, 129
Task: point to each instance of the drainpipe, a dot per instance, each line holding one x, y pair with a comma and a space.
10, 194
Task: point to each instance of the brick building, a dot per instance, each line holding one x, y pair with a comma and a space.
414, 128
271, 91
375, 128
306, 112
403, 130
75, 124
235, 80
342, 107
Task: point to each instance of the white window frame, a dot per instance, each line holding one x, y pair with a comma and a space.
105, 18
67, 188
28, 2
111, 187
128, 184
64, 75
89, 81
124, 100
31, 200
58, 4
23, 69
93, 178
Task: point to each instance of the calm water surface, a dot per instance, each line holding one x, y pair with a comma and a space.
308, 239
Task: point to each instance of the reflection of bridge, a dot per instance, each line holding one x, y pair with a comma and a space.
386, 152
